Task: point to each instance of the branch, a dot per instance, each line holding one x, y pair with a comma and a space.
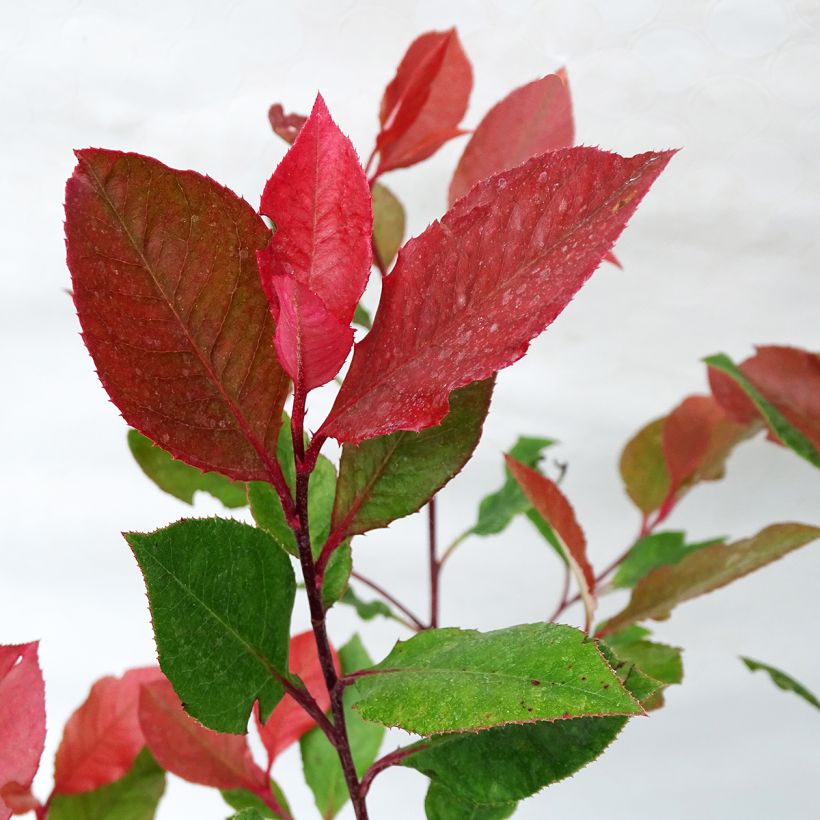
417, 623
391, 759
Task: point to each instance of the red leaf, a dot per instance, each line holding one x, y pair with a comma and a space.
189, 750
319, 200
552, 505
167, 291
288, 721
103, 737
788, 377
512, 253
287, 126
426, 100
531, 120
22, 723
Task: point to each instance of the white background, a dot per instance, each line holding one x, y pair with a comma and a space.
722, 254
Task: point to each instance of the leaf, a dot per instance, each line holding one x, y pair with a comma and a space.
782, 680
386, 478
790, 435
286, 126
251, 813
323, 771
707, 569
643, 468
361, 317
242, 799
181, 480
337, 575
366, 610
102, 739
316, 266
221, 595
135, 796
289, 721
424, 103
172, 311
686, 434
446, 680
388, 223
189, 750
442, 804
534, 118
513, 252
22, 722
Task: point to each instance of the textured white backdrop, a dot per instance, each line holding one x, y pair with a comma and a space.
722, 254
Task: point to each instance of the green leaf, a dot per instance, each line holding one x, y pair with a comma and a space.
361, 317
442, 804
180, 479
366, 610
252, 813
783, 681
337, 574
780, 426
658, 660
446, 680
242, 799
653, 551
706, 569
388, 223
134, 796
388, 477
643, 468
221, 594
323, 772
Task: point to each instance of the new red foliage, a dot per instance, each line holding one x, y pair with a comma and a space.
287, 126
467, 296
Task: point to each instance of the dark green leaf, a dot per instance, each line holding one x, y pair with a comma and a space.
442, 804
445, 680
133, 797
386, 478
643, 468
180, 479
388, 223
783, 681
221, 595
323, 772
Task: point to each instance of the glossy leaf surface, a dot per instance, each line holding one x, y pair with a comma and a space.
783, 681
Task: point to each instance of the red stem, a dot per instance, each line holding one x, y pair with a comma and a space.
435, 566
390, 598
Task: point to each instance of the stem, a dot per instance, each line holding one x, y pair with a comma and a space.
564, 593
435, 566
391, 759
417, 624
453, 547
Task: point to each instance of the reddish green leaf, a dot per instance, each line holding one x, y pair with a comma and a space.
707, 569
22, 725
513, 252
530, 120
686, 435
168, 294
286, 126
102, 739
426, 100
643, 468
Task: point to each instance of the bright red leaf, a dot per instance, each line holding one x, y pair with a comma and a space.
552, 505
319, 201
426, 100
166, 286
22, 724
288, 721
287, 126
531, 120
466, 297
103, 737
187, 749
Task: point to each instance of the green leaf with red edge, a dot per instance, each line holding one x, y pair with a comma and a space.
514, 251
797, 389
707, 569
22, 725
103, 737
426, 100
449, 680
783, 681
316, 266
534, 118
386, 478
388, 223
167, 291
221, 594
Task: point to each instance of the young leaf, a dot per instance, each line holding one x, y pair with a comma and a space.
221, 595
181, 480
102, 739
366, 610
168, 295
785, 682
135, 796
316, 266
386, 478
643, 468
286, 126
530, 120
514, 251
790, 435
442, 804
289, 721
448, 680
388, 223
426, 100
686, 434
189, 750
707, 569
323, 772
22, 724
